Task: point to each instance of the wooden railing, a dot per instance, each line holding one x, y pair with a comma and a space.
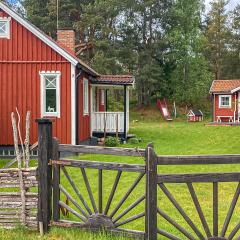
96, 208
111, 121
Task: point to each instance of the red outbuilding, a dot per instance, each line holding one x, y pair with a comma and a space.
226, 101
45, 77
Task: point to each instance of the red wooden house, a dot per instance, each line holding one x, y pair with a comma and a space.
226, 101
45, 77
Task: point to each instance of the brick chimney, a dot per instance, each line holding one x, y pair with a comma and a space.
66, 38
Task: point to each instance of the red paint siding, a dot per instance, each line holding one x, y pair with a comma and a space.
21, 59
101, 106
225, 111
84, 127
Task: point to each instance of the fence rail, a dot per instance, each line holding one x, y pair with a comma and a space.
115, 214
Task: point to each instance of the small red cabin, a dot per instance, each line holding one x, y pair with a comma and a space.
45, 77
195, 116
226, 99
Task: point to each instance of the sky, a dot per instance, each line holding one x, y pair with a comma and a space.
231, 5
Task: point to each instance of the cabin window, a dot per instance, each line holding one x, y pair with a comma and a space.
85, 97
225, 101
102, 97
5, 28
50, 93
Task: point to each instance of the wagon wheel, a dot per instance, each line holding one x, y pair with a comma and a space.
95, 216
216, 235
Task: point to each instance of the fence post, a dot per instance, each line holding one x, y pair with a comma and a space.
56, 181
151, 194
44, 173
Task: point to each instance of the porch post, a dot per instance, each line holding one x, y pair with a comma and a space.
125, 113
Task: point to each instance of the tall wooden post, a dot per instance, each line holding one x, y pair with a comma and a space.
44, 173
125, 113
56, 181
151, 194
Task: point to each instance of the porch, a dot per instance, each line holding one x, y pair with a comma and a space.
103, 119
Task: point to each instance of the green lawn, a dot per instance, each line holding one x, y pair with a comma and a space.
174, 138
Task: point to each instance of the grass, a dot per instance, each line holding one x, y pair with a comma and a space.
174, 138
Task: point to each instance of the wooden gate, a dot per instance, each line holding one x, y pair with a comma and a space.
192, 229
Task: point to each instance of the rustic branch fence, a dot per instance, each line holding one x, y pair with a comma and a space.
92, 214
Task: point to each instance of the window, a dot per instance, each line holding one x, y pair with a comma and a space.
50, 94
5, 27
102, 97
85, 96
225, 101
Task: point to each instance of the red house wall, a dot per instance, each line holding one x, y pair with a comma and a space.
225, 111
21, 58
84, 127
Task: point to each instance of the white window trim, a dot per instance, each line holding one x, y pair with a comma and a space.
85, 111
102, 96
7, 20
224, 106
43, 74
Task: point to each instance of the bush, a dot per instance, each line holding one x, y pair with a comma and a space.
111, 142
134, 140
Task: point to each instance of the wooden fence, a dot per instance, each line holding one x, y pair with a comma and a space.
92, 214
11, 202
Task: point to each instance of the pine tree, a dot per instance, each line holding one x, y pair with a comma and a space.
218, 36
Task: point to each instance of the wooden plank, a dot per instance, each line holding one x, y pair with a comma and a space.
151, 194
167, 235
102, 150
175, 224
100, 191
45, 171
198, 159
198, 177
199, 209
215, 209
181, 211
125, 196
56, 181
100, 165
230, 211
114, 187
80, 196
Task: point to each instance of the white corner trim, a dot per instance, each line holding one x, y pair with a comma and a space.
43, 74
39, 34
219, 101
235, 90
7, 20
73, 105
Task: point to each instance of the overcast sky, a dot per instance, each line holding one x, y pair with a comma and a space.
231, 5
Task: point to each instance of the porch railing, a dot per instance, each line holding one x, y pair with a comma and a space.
110, 120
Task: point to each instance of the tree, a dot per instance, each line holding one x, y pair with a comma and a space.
191, 76
218, 36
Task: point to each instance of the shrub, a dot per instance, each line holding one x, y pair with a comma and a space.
134, 140
111, 142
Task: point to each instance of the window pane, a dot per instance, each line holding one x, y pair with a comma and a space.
225, 101
51, 82
3, 27
51, 102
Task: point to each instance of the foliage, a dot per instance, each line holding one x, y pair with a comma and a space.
111, 141
170, 46
134, 141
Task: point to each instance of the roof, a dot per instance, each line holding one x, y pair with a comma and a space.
46, 39
114, 80
196, 112
225, 86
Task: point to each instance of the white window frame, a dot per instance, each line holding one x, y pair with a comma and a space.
225, 106
43, 76
7, 21
102, 97
85, 97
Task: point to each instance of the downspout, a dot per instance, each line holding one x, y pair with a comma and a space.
125, 113
235, 107
213, 107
